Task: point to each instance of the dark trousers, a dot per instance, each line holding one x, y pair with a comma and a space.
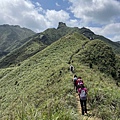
83, 106
75, 86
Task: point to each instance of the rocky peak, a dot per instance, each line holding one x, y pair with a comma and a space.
61, 24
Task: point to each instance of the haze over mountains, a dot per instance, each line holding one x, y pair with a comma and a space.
35, 81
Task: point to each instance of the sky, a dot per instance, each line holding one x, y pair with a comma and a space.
100, 16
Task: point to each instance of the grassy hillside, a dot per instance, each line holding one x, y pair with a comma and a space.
40, 83
98, 54
12, 37
114, 45
41, 87
27, 50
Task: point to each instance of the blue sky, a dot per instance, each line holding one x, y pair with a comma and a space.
101, 16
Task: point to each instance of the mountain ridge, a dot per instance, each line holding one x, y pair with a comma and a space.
11, 37
46, 38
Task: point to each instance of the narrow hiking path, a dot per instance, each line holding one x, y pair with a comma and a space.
77, 52
84, 117
87, 116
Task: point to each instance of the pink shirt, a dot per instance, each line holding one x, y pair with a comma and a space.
80, 89
79, 81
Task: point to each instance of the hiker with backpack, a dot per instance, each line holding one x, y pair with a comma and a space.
75, 82
82, 92
72, 68
79, 80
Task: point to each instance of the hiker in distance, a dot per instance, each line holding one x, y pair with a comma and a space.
82, 92
75, 82
72, 68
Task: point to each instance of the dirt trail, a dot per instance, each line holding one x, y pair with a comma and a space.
84, 117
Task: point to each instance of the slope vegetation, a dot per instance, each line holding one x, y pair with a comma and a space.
12, 37
41, 87
38, 85
27, 50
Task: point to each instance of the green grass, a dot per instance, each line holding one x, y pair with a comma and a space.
40, 84
42, 93
22, 53
99, 55
103, 94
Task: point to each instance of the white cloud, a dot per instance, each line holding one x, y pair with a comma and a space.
73, 23
23, 13
27, 14
103, 13
111, 31
113, 28
116, 38
56, 16
57, 4
99, 11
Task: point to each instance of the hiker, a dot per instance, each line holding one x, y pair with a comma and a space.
79, 80
72, 68
82, 92
75, 82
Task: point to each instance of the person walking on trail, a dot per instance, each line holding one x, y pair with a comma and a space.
82, 92
79, 80
75, 82
72, 68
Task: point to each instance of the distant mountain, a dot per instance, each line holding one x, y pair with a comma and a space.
11, 37
25, 51
118, 42
52, 34
41, 40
